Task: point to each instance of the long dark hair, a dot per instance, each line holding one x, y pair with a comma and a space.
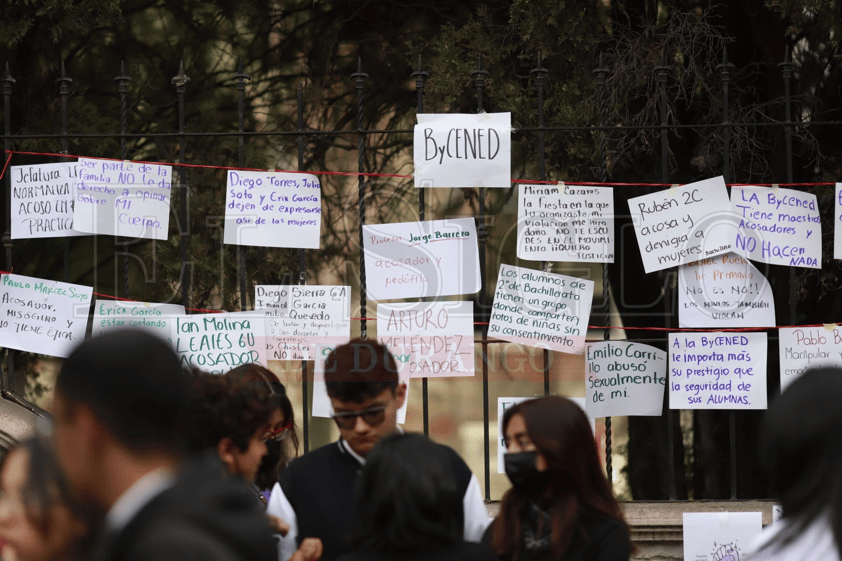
277, 456
408, 499
561, 433
801, 446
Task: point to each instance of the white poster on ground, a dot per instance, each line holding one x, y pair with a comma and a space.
720, 536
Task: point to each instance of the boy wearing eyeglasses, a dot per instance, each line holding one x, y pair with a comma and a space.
315, 494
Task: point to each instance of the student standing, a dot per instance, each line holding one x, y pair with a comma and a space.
315, 495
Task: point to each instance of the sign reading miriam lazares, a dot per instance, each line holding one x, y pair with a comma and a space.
463, 150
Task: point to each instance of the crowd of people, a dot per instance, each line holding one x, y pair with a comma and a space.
148, 461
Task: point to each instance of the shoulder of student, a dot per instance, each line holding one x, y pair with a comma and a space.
460, 468
608, 539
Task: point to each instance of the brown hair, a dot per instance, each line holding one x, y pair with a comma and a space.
561, 433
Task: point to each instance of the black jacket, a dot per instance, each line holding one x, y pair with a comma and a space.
204, 516
464, 551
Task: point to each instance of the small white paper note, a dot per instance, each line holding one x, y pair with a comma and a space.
624, 378
720, 536
42, 201
151, 317
216, 343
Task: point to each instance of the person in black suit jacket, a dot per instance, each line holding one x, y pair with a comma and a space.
120, 412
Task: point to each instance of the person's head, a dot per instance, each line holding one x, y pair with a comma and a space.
408, 498
122, 393
282, 445
38, 519
553, 462
234, 419
362, 382
800, 444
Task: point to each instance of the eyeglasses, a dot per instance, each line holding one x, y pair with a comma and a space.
372, 417
280, 434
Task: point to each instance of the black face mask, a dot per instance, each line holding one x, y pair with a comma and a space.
267, 473
523, 473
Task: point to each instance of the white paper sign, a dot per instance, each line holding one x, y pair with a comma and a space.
129, 199
42, 316
837, 223
321, 401
418, 259
504, 403
268, 209
717, 370
540, 309
724, 291
301, 316
154, 318
42, 201
720, 536
778, 226
624, 379
801, 348
683, 224
429, 339
216, 343
565, 223
463, 150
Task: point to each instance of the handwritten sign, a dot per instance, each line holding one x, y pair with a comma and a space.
720, 536
153, 318
565, 223
129, 199
42, 201
683, 224
418, 259
300, 316
801, 348
778, 226
463, 150
717, 370
837, 223
624, 379
216, 343
267, 209
724, 291
505, 403
541, 309
42, 316
429, 338
321, 401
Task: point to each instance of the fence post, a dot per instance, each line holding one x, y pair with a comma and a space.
302, 275
122, 88
8, 372
482, 237
64, 92
359, 78
787, 66
180, 82
241, 153
419, 76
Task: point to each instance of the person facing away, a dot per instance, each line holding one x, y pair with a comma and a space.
315, 494
38, 519
802, 449
120, 412
560, 506
409, 505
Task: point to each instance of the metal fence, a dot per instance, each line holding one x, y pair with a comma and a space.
361, 82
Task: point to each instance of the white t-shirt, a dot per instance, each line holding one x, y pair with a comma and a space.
814, 543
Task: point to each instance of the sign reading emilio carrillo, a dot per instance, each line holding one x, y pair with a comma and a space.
463, 150
418, 259
624, 378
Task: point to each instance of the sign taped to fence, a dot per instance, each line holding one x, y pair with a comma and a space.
155, 318
505, 403
837, 223
565, 223
130, 199
216, 343
463, 150
624, 378
683, 224
717, 370
538, 309
720, 536
42, 316
42, 201
429, 339
724, 291
418, 259
778, 226
300, 316
321, 401
801, 348
273, 209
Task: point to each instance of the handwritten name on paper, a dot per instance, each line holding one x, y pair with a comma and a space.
42, 201
624, 379
801, 348
216, 343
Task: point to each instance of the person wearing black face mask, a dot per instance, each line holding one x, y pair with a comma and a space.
560, 506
